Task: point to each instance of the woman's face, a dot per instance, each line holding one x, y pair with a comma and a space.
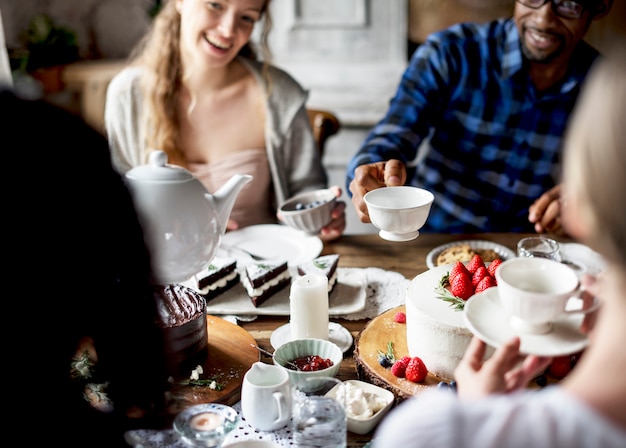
215, 31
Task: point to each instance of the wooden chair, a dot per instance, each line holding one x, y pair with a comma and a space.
324, 124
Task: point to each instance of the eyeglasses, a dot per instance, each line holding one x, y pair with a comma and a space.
568, 9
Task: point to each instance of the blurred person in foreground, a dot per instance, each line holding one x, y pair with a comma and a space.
478, 120
196, 90
78, 278
586, 408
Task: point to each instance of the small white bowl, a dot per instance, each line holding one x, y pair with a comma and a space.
309, 211
399, 212
308, 347
360, 391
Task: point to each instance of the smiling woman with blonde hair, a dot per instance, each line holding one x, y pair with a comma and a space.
196, 90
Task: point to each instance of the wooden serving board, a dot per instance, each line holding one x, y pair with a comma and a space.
375, 336
230, 356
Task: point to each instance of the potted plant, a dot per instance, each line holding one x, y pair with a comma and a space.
48, 48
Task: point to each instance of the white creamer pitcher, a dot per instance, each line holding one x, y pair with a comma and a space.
266, 397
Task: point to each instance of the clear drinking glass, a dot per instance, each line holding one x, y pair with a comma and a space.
319, 421
539, 246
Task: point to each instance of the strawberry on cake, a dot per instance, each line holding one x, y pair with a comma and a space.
263, 279
435, 328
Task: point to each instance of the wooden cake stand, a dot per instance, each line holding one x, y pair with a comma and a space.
374, 337
230, 356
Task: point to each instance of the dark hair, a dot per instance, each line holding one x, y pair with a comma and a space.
79, 270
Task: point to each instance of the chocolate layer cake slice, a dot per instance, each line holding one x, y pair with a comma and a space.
324, 265
263, 279
218, 277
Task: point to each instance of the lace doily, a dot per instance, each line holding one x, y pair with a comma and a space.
144, 438
385, 290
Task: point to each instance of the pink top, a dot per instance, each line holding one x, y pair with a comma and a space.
252, 205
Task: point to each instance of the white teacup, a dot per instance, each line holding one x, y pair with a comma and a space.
266, 397
399, 212
537, 291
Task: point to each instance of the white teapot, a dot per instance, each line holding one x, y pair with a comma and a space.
182, 222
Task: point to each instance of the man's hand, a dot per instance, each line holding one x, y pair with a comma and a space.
373, 176
545, 212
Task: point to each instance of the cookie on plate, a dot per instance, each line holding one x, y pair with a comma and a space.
459, 252
488, 254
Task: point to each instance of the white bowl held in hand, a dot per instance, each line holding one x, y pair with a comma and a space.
309, 211
399, 212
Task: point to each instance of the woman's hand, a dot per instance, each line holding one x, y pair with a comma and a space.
591, 286
337, 225
505, 371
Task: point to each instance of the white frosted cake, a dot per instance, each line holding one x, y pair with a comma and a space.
435, 331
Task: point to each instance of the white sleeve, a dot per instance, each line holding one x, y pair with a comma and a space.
5, 67
122, 119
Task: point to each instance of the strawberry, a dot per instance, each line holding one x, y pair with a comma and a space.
480, 273
461, 286
475, 263
493, 266
400, 317
416, 371
487, 282
458, 268
560, 367
399, 367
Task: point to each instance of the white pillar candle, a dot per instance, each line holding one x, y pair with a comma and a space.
308, 306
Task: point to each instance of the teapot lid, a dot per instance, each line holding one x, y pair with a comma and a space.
157, 169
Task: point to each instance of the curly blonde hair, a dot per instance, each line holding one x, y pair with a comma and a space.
595, 158
158, 53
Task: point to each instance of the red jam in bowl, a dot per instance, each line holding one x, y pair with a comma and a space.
310, 363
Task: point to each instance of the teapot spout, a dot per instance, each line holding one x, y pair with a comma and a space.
225, 197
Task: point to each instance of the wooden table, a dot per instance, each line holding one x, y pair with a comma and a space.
362, 251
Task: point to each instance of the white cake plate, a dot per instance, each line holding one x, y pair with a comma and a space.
337, 333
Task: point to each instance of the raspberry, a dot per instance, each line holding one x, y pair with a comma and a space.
416, 371
399, 367
400, 317
560, 367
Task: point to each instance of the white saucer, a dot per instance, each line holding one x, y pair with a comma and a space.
337, 334
582, 259
485, 317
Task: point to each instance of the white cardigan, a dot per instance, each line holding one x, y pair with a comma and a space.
295, 162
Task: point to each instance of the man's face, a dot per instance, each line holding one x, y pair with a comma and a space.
545, 37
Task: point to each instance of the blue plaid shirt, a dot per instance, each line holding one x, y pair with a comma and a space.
471, 127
